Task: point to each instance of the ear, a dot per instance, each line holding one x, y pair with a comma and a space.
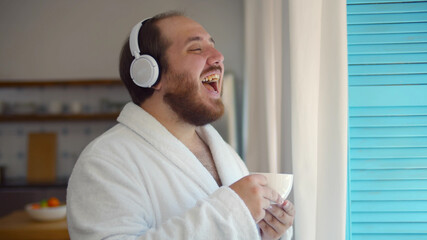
157, 86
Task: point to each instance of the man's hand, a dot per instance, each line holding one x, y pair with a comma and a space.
278, 219
254, 192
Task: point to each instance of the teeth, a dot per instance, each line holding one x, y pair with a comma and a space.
211, 78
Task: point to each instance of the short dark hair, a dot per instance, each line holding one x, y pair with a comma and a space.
151, 42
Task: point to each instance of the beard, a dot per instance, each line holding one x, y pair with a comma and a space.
186, 102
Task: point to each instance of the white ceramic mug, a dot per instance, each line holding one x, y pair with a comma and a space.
280, 182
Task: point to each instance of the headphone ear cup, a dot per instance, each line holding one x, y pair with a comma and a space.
144, 71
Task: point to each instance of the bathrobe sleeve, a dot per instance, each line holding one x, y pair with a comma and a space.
106, 201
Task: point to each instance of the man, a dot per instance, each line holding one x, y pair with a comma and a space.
163, 172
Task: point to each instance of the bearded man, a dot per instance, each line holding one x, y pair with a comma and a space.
163, 172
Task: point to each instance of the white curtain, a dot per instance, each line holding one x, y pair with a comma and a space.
263, 70
312, 47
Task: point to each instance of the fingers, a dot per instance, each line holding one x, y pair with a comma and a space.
278, 216
276, 221
273, 196
267, 231
272, 226
261, 179
289, 208
252, 190
269, 193
260, 189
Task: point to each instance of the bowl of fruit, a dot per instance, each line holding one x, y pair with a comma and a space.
46, 210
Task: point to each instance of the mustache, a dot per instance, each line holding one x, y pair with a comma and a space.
212, 68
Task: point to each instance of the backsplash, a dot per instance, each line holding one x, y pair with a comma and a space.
72, 136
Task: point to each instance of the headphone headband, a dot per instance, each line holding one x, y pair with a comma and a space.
133, 39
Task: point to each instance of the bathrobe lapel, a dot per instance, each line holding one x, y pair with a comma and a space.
168, 145
222, 154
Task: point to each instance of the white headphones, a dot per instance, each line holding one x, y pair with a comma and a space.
144, 69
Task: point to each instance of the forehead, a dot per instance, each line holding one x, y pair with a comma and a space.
179, 30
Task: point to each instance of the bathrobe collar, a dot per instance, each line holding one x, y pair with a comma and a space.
146, 126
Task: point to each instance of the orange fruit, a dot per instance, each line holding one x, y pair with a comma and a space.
53, 202
35, 206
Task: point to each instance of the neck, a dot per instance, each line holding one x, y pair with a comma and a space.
182, 130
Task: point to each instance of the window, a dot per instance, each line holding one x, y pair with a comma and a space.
387, 162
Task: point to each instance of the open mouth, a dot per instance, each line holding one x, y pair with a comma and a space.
211, 82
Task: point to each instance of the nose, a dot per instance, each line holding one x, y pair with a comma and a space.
215, 57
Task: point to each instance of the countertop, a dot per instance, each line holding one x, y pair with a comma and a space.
19, 226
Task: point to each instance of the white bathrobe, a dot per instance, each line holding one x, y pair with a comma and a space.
137, 181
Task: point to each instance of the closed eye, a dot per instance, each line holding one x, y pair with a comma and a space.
195, 50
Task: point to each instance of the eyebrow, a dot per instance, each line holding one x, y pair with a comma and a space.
198, 38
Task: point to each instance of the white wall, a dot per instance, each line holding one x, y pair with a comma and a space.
45, 39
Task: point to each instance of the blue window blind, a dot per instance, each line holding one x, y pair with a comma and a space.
387, 162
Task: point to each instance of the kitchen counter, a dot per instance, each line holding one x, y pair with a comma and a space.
19, 226
16, 193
